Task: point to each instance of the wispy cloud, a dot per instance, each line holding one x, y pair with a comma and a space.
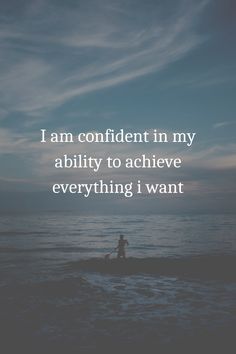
204, 169
223, 124
54, 54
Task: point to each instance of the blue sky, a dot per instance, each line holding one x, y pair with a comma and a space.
91, 65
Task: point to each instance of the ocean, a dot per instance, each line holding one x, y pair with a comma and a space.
177, 288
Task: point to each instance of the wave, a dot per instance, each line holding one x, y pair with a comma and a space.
22, 233
215, 267
46, 249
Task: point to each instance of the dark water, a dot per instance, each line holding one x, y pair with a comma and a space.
176, 290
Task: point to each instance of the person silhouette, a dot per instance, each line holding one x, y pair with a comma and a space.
121, 247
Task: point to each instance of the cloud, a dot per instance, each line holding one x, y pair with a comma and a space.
222, 124
53, 52
204, 169
208, 174
51, 55
12, 143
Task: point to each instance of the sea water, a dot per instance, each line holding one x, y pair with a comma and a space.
45, 297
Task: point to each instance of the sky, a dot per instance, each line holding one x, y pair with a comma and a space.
85, 66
